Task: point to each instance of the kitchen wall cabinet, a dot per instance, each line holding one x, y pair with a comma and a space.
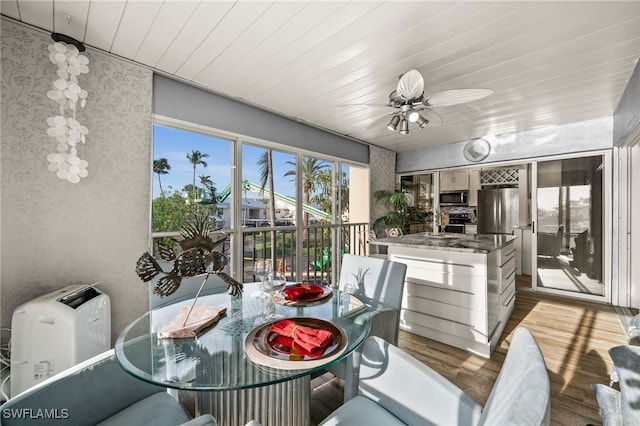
454, 180
474, 186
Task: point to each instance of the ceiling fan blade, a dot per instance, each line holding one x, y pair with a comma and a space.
411, 85
456, 96
364, 105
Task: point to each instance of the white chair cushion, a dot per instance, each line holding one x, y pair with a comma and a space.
361, 411
410, 390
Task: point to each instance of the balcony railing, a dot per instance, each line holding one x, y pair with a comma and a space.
313, 263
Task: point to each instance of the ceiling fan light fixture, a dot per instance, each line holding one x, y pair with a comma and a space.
422, 122
404, 127
413, 116
393, 124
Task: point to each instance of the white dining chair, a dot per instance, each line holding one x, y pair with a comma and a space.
397, 389
379, 284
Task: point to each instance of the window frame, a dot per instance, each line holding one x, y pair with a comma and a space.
235, 230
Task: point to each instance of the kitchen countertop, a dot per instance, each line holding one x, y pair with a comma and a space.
469, 243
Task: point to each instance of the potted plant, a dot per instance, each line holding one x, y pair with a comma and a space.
401, 211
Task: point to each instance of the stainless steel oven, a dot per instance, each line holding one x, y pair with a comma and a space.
457, 220
454, 198
455, 228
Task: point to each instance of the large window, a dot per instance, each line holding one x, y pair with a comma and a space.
192, 172
303, 212
268, 191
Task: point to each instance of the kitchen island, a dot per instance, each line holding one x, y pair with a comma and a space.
459, 289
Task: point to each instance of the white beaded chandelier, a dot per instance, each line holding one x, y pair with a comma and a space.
64, 127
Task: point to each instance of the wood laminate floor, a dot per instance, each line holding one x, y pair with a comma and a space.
574, 337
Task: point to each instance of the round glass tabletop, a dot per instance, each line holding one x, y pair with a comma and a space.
216, 359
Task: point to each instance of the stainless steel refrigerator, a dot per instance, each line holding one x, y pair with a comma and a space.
497, 210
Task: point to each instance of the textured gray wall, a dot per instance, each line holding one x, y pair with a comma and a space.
55, 233
382, 176
584, 136
627, 115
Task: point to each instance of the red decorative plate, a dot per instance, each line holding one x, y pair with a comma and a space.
313, 300
259, 347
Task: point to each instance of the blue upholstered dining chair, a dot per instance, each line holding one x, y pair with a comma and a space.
397, 389
379, 284
97, 392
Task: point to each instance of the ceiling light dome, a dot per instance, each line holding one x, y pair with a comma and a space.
413, 116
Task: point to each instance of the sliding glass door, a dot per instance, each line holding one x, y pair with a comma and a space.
569, 227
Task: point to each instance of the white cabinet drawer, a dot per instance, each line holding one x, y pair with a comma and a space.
508, 293
508, 268
507, 252
443, 280
456, 314
507, 306
420, 323
507, 275
474, 298
455, 262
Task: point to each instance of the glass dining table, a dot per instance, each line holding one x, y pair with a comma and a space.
232, 384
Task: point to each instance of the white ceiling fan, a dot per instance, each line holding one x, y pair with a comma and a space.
413, 107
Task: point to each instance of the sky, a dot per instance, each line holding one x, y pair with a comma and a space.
174, 144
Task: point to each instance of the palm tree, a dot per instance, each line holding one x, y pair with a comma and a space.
161, 167
206, 182
323, 198
266, 177
197, 159
311, 168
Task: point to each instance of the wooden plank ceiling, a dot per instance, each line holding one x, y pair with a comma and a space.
548, 63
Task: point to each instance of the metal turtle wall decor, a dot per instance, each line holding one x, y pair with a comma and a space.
198, 257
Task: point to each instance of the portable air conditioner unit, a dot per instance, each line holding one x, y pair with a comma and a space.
56, 331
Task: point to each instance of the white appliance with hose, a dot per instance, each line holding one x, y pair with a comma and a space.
56, 331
